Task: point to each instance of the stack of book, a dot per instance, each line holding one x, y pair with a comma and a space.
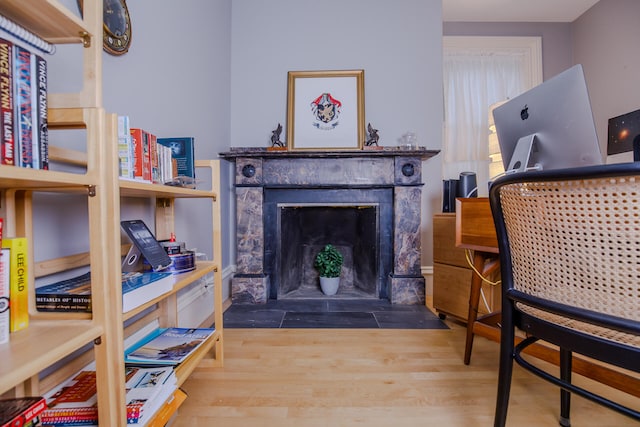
74, 402
145, 157
23, 101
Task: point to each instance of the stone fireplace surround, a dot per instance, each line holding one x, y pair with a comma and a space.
388, 180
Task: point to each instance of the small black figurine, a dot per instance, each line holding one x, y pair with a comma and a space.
373, 136
275, 137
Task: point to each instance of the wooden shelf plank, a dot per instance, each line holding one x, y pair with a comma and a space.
182, 280
42, 344
49, 19
131, 188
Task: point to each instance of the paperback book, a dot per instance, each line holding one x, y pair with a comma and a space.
167, 346
18, 282
74, 294
21, 411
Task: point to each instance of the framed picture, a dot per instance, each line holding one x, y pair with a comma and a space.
325, 110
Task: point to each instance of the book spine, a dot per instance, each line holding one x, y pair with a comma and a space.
136, 141
146, 157
63, 303
18, 279
4, 296
6, 102
23, 106
35, 144
42, 114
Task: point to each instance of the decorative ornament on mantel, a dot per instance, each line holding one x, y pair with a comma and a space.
372, 142
276, 144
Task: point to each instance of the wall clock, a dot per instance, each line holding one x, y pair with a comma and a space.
116, 33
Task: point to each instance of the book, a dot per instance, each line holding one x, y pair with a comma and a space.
140, 287
183, 150
4, 296
42, 123
74, 294
168, 408
23, 107
6, 103
138, 152
125, 148
74, 401
20, 411
18, 282
167, 346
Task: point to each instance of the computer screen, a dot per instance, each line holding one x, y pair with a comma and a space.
550, 126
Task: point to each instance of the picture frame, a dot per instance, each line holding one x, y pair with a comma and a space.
325, 110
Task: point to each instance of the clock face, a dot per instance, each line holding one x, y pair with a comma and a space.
117, 27
116, 34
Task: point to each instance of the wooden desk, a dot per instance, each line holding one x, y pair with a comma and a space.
475, 230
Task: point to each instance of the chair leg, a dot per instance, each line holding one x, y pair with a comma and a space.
565, 395
504, 374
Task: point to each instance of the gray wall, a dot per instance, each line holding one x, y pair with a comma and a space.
174, 81
606, 41
398, 44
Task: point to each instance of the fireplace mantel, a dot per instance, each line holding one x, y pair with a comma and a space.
265, 178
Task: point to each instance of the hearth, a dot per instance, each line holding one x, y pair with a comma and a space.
290, 204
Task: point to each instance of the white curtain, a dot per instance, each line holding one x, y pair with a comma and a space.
473, 80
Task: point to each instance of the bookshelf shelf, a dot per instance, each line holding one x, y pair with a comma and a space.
42, 344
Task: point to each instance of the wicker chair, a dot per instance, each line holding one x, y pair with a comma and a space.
569, 245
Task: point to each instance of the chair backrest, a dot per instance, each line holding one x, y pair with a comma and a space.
569, 244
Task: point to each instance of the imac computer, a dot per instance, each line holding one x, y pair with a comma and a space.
549, 127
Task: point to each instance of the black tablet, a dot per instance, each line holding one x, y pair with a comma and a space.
146, 244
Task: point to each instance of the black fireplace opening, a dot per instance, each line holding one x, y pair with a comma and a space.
306, 229
358, 222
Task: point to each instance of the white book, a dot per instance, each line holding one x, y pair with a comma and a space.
4, 296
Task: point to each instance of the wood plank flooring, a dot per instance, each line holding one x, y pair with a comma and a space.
370, 377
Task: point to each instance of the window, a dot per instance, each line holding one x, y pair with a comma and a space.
478, 72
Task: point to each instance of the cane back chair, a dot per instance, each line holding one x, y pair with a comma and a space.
569, 244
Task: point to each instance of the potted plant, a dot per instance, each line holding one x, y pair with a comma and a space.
329, 264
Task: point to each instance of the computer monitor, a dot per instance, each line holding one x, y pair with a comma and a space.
549, 127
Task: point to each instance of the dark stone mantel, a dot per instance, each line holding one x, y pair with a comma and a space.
342, 173
263, 152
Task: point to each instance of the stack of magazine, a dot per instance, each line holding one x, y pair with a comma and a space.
167, 346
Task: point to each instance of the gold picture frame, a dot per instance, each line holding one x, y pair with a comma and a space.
325, 110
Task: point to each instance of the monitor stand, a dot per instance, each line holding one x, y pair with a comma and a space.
522, 154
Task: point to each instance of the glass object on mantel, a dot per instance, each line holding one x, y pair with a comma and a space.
408, 141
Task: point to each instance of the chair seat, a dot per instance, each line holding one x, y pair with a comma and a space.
587, 328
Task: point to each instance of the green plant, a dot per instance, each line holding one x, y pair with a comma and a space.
328, 262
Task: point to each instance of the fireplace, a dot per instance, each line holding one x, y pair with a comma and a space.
290, 204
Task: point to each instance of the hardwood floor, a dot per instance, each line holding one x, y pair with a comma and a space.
370, 377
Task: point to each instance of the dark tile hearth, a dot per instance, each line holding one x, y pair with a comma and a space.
372, 314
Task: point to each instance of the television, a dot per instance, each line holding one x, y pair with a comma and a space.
549, 127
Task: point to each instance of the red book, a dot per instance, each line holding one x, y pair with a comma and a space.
21, 410
136, 140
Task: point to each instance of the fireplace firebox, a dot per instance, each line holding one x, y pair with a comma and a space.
289, 204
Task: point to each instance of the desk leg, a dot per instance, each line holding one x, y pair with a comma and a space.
479, 259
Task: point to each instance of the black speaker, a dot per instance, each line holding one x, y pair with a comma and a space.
449, 193
468, 186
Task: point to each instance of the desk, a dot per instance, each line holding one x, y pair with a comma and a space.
475, 230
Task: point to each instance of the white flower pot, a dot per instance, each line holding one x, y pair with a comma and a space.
329, 285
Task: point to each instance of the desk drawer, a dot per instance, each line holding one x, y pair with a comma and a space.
451, 287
